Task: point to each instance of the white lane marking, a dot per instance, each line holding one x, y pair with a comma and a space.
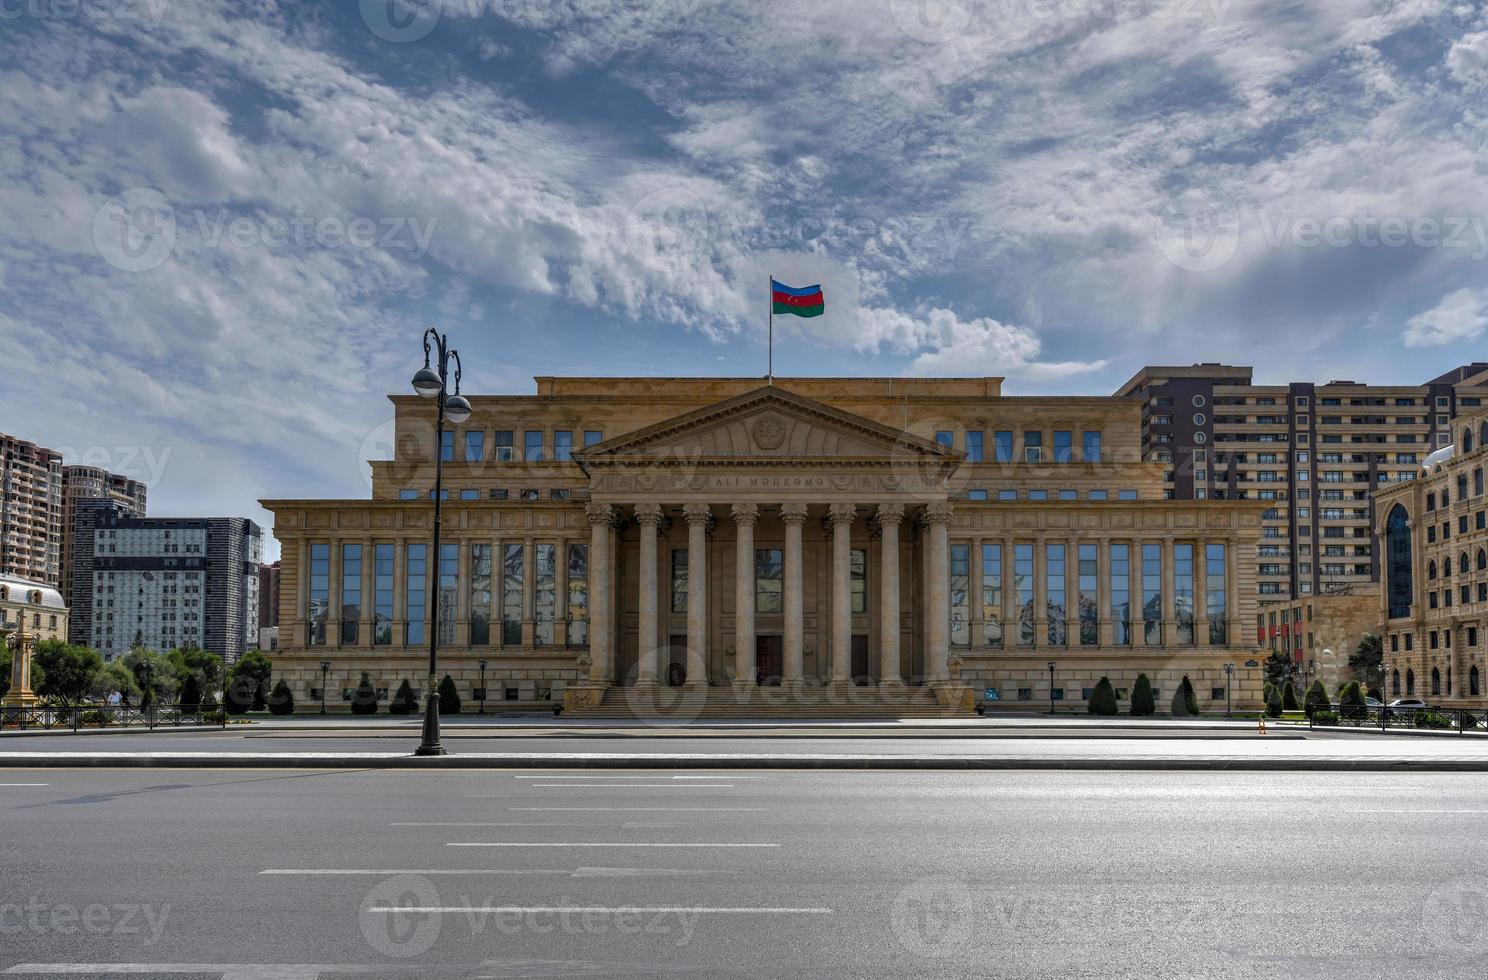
25, 784
652, 775
584, 872
601, 910
595, 844
630, 786
1417, 811
636, 824
227, 971
638, 809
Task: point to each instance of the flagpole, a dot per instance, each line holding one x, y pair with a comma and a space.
770, 377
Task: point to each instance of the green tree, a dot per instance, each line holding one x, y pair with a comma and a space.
1316, 700
155, 675
205, 665
1142, 702
1368, 661
1185, 701
1351, 702
1273, 703
68, 672
1289, 697
1103, 699
116, 678
191, 693
1279, 668
248, 682
449, 697
403, 703
281, 699
364, 701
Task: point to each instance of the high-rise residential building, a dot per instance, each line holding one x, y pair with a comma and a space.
30, 511
164, 582
92, 483
268, 595
1315, 452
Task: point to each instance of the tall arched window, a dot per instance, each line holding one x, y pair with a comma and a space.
1449, 682
1431, 569
1467, 440
1463, 564
1473, 681
1483, 433
1435, 681
1398, 556
1482, 560
1410, 681
1395, 683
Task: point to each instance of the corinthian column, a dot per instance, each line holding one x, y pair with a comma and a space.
697, 517
889, 517
745, 517
648, 516
602, 634
841, 517
793, 516
937, 518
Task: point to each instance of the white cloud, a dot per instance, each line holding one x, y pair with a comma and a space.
1461, 315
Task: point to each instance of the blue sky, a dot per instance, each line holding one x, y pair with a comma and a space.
226, 224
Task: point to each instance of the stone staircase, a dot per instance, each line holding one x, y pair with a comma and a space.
682, 705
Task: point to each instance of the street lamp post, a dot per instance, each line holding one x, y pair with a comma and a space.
1052, 665
431, 383
1229, 670
325, 668
1384, 693
483, 687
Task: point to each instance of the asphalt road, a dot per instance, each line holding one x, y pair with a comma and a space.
760, 874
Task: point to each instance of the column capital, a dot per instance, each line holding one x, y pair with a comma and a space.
889, 514
745, 515
842, 515
601, 515
648, 514
936, 513
697, 514
793, 513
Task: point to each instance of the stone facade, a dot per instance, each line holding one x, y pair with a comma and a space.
813, 533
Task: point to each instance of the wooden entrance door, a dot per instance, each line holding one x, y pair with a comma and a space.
861, 673
769, 658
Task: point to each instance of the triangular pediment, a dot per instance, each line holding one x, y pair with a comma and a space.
767, 423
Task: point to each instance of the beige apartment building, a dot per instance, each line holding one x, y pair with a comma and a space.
1433, 534
30, 511
1314, 453
729, 537
33, 606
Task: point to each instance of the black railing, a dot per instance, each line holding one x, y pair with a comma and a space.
1459, 720
97, 716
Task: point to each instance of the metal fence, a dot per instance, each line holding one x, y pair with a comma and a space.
1460, 720
97, 716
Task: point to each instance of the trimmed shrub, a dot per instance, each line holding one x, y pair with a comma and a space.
1433, 719
1351, 702
1266, 692
1103, 701
449, 697
281, 699
1185, 701
1273, 704
1325, 717
403, 703
1142, 704
1289, 698
1316, 700
364, 700
191, 696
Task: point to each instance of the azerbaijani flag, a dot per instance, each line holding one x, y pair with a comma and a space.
799, 302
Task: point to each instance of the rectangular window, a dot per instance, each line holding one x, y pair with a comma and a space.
1023, 590
946, 438
858, 580
1216, 590
960, 595
769, 580
1063, 446
1121, 594
475, 447
977, 494
1089, 572
503, 445
992, 594
578, 595
1126, 495
1033, 447
545, 595
512, 574
417, 596
1007, 495
679, 580
974, 447
406, 494
480, 595
532, 446
1002, 445
1091, 447
563, 445
447, 445
469, 494
1097, 495
320, 592
1054, 593
449, 586
1152, 611
1183, 591
382, 624
351, 591
593, 437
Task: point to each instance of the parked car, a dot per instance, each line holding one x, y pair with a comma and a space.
1407, 703
1373, 703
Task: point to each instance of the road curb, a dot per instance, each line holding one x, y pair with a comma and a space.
61, 760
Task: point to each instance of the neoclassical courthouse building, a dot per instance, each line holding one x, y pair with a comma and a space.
863, 539
1434, 532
